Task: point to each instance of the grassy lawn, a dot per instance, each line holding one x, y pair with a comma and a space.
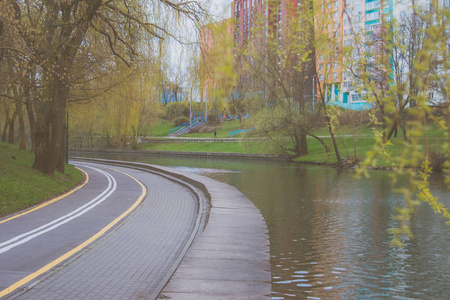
22, 187
222, 130
363, 130
161, 129
229, 147
362, 144
349, 139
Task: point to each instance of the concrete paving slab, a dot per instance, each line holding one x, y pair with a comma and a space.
235, 254
226, 245
195, 296
233, 289
206, 272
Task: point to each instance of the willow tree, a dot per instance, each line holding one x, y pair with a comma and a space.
216, 65
54, 31
15, 78
110, 99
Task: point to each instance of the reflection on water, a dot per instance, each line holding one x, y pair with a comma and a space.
328, 231
203, 170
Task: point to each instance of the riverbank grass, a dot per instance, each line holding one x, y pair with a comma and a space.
22, 187
224, 147
348, 145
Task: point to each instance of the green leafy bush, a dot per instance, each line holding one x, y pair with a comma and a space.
180, 120
176, 109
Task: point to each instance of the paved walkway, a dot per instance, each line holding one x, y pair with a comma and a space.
230, 259
135, 260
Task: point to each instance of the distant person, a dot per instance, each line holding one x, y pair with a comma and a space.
215, 133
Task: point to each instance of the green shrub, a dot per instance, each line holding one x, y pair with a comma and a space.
176, 109
180, 120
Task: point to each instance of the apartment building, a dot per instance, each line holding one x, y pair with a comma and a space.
346, 21
365, 19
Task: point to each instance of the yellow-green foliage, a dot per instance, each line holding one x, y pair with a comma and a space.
126, 108
217, 64
402, 99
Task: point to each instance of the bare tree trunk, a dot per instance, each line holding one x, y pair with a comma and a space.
327, 149
31, 121
393, 129
30, 96
333, 139
403, 125
301, 146
5, 127
22, 142
11, 131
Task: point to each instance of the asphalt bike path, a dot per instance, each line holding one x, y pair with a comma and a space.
44, 254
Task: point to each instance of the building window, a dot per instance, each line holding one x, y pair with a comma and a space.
321, 77
372, 5
334, 75
335, 65
335, 4
356, 97
374, 16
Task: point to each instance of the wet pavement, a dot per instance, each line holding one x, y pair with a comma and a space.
160, 245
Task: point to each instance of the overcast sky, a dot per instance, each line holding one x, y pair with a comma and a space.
220, 8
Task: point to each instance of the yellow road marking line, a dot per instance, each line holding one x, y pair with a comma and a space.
50, 201
79, 247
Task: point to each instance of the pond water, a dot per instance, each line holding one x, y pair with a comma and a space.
328, 231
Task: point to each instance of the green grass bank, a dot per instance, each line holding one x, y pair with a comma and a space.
351, 140
22, 187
